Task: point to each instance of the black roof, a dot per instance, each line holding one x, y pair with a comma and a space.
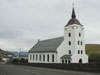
66, 56
49, 45
73, 19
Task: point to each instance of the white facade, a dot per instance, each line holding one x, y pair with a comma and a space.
75, 35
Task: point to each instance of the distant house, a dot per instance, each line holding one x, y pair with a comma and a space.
21, 57
2, 62
67, 49
6, 59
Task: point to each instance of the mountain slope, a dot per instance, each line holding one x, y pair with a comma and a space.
92, 49
4, 53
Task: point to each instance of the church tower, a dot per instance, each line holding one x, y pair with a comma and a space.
72, 49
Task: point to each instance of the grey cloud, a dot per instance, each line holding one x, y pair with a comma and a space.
22, 22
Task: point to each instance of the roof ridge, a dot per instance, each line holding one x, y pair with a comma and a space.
51, 38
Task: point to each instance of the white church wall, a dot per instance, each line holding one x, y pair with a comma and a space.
76, 58
61, 50
64, 48
30, 60
79, 47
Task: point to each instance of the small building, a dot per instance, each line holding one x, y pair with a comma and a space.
2, 62
67, 49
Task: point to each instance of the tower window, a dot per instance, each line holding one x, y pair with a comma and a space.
78, 51
81, 42
79, 34
69, 51
69, 34
69, 42
78, 42
53, 58
48, 58
81, 51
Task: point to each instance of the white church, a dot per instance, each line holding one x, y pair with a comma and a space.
67, 49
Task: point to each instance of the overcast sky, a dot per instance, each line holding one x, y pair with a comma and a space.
22, 22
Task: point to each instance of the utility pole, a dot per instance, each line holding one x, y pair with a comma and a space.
19, 55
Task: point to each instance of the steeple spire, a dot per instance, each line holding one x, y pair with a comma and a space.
73, 19
73, 13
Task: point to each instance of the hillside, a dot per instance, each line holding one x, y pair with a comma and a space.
4, 53
92, 49
17, 53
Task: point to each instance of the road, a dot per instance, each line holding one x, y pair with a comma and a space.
26, 70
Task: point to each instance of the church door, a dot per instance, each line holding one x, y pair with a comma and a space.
80, 61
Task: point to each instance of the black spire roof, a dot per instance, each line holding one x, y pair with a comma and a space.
73, 19
73, 13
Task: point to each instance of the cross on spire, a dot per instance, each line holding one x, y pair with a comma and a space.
73, 4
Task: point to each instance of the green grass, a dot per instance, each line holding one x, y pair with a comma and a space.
92, 49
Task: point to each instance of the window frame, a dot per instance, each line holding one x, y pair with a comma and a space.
48, 58
81, 51
30, 56
43, 57
78, 51
36, 57
78, 42
69, 43
33, 56
39, 57
69, 34
70, 52
79, 34
53, 57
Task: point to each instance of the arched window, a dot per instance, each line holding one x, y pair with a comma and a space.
39, 57
62, 61
79, 34
78, 51
36, 57
48, 58
33, 56
43, 57
78, 42
53, 58
69, 61
69, 34
81, 42
30, 57
69, 51
66, 61
69, 42
81, 51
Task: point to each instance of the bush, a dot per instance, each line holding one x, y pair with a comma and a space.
15, 61
94, 57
